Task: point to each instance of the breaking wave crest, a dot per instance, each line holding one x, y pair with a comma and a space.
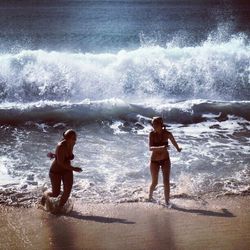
212, 70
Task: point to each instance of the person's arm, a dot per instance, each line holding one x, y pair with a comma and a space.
60, 157
172, 139
154, 148
51, 155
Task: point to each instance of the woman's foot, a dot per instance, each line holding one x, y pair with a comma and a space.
150, 198
57, 210
43, 200
168, 204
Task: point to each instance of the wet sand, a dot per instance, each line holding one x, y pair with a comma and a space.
222, 223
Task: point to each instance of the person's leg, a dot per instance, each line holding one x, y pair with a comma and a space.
67, 186
55, 180
154, 169
166, 178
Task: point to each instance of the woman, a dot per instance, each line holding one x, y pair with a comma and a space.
61, 169
158, 144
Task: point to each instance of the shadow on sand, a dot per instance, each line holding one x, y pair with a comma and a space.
224, 212
101, 219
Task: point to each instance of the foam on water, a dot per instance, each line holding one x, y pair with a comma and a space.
5, 178
211, 70
115, 161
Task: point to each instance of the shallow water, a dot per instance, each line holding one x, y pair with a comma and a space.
115, 159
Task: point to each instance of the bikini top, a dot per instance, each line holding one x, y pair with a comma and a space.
69, 158
161, 141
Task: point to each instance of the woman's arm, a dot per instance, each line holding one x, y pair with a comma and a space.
172, 139
51, 155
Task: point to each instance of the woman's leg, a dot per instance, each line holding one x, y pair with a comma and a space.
166, 176
55, 180
154, 169
67, 186
56, 184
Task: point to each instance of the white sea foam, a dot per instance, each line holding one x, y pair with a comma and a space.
5, 178
217, 70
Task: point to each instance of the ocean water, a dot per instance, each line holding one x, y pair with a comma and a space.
105, 68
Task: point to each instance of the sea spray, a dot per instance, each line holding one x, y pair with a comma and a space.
213, 70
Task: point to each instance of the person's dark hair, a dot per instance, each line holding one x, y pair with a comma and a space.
68, 133
158, 120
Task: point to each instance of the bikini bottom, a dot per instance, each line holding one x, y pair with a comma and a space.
161, 162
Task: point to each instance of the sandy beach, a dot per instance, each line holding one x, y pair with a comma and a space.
222, 223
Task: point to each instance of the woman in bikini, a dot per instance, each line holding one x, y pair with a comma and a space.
158, 144
61, 169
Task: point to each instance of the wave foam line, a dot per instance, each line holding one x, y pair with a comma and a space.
186, 112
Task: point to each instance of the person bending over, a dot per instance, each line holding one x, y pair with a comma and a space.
61, 169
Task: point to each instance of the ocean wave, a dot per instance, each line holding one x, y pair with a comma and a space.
186, 112
212, 70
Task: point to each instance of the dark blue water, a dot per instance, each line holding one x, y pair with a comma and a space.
101, 26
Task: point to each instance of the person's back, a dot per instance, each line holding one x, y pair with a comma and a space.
159, 140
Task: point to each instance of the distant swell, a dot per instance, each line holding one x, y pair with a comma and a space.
213, 70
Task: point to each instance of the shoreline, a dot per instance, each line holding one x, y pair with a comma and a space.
222, 223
